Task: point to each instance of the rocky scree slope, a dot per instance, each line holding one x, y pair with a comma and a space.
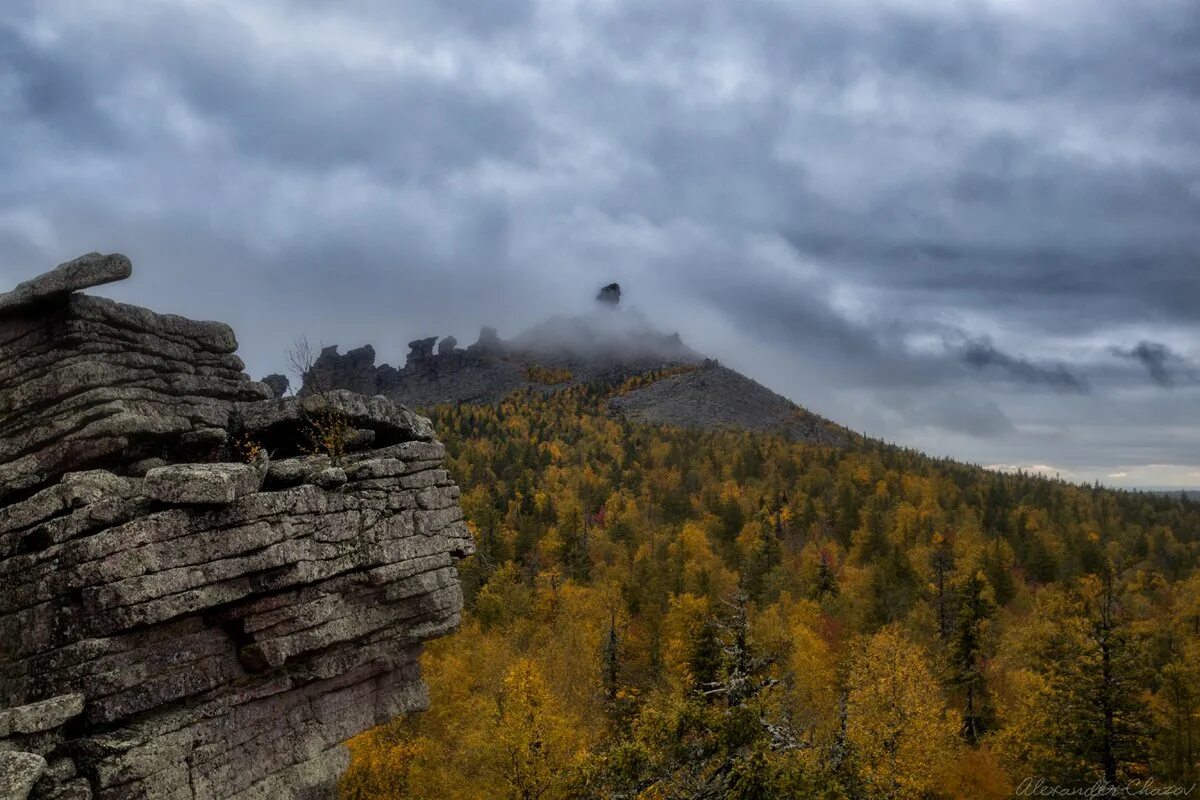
192, 607
718, 397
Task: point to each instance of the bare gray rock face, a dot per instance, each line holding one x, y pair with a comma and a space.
354, 371
609, 295
278, 384
202, 484
489, 343
89, 382
18, 773
39, 717
420, 350
198, 603
84, 272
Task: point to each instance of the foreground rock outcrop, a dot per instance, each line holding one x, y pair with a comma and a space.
206, 587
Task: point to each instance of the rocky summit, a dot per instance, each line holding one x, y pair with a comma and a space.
207, 587
605, 346
677, 386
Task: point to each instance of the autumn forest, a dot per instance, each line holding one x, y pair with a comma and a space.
663, 613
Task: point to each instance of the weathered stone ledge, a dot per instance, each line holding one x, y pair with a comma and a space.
178, 620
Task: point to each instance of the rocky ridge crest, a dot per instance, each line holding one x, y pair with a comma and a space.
607, 346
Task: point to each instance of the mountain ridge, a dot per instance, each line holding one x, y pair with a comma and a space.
608, 346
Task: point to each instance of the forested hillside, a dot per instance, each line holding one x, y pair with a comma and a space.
661, 613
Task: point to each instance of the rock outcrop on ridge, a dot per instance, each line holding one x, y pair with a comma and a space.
607, 346
206, 588
610, 294
278, 384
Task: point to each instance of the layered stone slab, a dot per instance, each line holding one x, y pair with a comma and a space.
184, 616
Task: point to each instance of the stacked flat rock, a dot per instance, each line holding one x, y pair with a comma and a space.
89, 382
184, 616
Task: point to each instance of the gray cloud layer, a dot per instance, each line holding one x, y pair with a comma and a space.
948, 224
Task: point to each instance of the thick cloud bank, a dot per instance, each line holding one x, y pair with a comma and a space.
968, 227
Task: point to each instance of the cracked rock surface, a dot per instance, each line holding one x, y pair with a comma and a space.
184, 616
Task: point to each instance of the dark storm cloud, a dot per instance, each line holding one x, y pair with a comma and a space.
1162, 364
916, 217
981, 354
42, 86
790, 312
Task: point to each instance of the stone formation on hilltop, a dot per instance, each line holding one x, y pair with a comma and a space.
609, 295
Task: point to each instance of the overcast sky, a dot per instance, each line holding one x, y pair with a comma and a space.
973, 228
